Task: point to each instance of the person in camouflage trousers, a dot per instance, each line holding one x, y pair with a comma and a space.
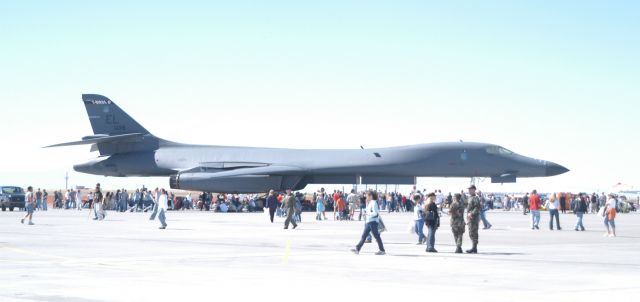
289, 203
456, 212
473, 218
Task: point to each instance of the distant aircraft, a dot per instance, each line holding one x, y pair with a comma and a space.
128, 149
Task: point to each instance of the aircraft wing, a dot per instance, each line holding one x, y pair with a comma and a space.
99, 139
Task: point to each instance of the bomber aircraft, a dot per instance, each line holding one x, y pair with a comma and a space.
128, 149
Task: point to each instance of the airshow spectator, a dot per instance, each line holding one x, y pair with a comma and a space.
534, 207
552, 204
610, 216
579, 209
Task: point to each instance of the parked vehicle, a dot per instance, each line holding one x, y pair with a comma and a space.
11, 197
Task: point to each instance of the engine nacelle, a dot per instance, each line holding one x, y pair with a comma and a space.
503, 179
207, 182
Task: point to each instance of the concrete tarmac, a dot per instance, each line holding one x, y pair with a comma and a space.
205, 256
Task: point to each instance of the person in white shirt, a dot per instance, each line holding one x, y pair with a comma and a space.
418, 218
553, 205
188, 202
30, 202
354, 202
79, 200
610, 216
163, 206
439, 198
373, 219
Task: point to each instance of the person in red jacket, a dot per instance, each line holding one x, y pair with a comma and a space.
534, 206
339, 208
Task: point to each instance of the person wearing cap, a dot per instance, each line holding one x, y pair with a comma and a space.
272, 204
289, 203
473, 218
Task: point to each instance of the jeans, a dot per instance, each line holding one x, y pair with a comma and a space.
44, 205
39, 204
431, 237
535, 218
553, 213
162, 218
485, 222
371, 227
419, 228
155, 212
609, 223
579, 224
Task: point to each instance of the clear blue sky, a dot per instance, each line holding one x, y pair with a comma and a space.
558, 80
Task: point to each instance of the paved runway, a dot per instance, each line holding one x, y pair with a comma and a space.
209, 256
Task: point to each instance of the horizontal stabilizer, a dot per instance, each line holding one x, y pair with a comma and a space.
100, 140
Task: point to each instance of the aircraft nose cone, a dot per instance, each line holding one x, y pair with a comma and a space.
554, 169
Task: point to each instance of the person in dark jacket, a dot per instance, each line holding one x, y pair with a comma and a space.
272, 204
432, 220
580, 208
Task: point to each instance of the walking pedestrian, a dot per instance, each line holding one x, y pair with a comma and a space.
456, 212
534, 207
486, 205
289, 203
473, 218
432, 220
163, 206
418, 217
579, 209
155, 198
371, 226
30, 206
272, 204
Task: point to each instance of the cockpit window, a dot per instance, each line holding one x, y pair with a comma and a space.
499, 150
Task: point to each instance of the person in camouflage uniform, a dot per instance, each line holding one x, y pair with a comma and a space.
473, 218
456, 211
289, 202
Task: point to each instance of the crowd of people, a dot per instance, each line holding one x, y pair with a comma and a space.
427, 208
